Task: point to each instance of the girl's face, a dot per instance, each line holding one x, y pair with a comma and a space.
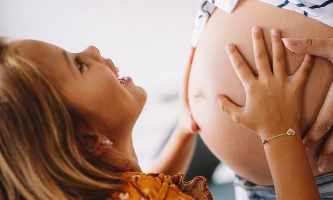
91, 83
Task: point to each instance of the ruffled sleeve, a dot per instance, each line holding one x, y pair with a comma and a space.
142, 186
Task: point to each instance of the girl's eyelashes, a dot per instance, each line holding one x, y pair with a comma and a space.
79, 63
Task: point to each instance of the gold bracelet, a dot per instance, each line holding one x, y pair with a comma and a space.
288, 133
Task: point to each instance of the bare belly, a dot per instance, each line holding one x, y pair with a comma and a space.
213, 73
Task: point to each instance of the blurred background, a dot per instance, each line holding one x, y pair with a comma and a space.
148, 40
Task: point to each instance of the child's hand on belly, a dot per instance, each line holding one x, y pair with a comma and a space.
273, 99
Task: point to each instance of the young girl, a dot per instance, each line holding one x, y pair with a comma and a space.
67, 118
66, 129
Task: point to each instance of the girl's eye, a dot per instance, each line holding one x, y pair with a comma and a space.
79, 63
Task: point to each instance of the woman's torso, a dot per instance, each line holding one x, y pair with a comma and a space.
213, 73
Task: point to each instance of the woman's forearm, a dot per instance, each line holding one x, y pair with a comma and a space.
176, 154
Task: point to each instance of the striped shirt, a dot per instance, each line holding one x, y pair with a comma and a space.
321, 10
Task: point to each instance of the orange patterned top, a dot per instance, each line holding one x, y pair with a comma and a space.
140, 186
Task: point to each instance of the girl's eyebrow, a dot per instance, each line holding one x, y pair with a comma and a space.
68, 61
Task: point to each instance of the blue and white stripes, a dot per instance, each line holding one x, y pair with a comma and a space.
205, 9
321, 10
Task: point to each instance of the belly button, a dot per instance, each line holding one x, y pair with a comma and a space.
198, 96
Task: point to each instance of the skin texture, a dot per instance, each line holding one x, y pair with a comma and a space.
267, 113
212, 73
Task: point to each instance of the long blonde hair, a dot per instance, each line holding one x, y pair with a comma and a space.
39, 149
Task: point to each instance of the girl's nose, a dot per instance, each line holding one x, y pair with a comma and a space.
93, 52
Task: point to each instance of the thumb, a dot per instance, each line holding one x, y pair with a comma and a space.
322, 47
194, 128
228, 107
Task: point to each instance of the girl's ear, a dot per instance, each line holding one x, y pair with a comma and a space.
90, 141
88, 144
100, 155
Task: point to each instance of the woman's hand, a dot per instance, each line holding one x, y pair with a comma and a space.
273, 99
186, 123
322, 47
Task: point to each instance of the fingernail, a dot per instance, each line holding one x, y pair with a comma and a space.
306, 149
229, 46
256, 29
322, 166
275, 31
290, 41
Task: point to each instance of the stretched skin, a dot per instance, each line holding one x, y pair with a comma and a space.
212, 73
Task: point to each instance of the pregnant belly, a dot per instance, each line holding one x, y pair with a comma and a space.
213, 73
